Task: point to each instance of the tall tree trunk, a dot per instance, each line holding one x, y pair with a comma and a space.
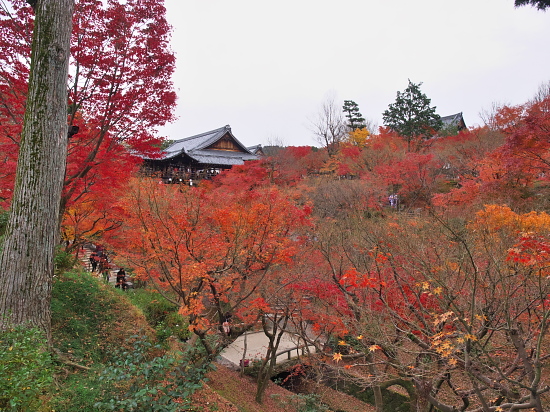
274, 337
27, 260
377, 390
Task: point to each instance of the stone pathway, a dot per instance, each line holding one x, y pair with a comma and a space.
84, 256
256, 342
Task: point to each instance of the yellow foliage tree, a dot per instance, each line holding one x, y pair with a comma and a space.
358, 137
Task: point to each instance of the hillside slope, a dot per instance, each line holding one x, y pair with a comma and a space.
227, 391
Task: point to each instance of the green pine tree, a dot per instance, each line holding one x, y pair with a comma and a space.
539, 4
354, 116
411, 115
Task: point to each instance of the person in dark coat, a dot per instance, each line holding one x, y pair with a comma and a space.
93, 261
121, 279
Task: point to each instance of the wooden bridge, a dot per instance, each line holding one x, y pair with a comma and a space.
291, 347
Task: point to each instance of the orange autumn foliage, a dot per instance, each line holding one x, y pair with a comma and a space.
213, 248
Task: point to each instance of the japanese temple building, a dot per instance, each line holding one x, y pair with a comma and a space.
199, 157
454, 120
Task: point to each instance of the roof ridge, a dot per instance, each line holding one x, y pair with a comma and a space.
452, 115
223, 128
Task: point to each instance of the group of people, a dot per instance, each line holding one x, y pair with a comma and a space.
394, 200
100, 263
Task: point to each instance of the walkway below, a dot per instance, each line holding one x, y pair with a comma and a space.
256, 349
84, 256
291, 346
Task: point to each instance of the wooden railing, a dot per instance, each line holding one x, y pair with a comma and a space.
299, 348
180, 176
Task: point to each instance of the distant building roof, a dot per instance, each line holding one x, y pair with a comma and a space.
454, 120
257, 150
216, 147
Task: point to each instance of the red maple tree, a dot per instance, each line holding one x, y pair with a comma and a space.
119, 90
213, 248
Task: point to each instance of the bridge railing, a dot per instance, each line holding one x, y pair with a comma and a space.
300, 350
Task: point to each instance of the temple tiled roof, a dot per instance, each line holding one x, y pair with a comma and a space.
218, 157
454, 120
197, 146
257, 150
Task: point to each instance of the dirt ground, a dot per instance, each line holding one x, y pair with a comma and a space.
227, 391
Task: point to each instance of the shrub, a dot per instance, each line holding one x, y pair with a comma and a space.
90, 324
25, 368
161, 314
173, 325
63, 261
79, 391
4, 215
155, 307
302, 402
141, 382
81, 309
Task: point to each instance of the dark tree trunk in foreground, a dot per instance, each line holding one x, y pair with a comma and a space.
26, 263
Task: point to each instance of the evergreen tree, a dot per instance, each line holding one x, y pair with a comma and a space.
411, 115
354, 116
539, 4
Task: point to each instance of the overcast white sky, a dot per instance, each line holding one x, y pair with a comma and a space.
265, 67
